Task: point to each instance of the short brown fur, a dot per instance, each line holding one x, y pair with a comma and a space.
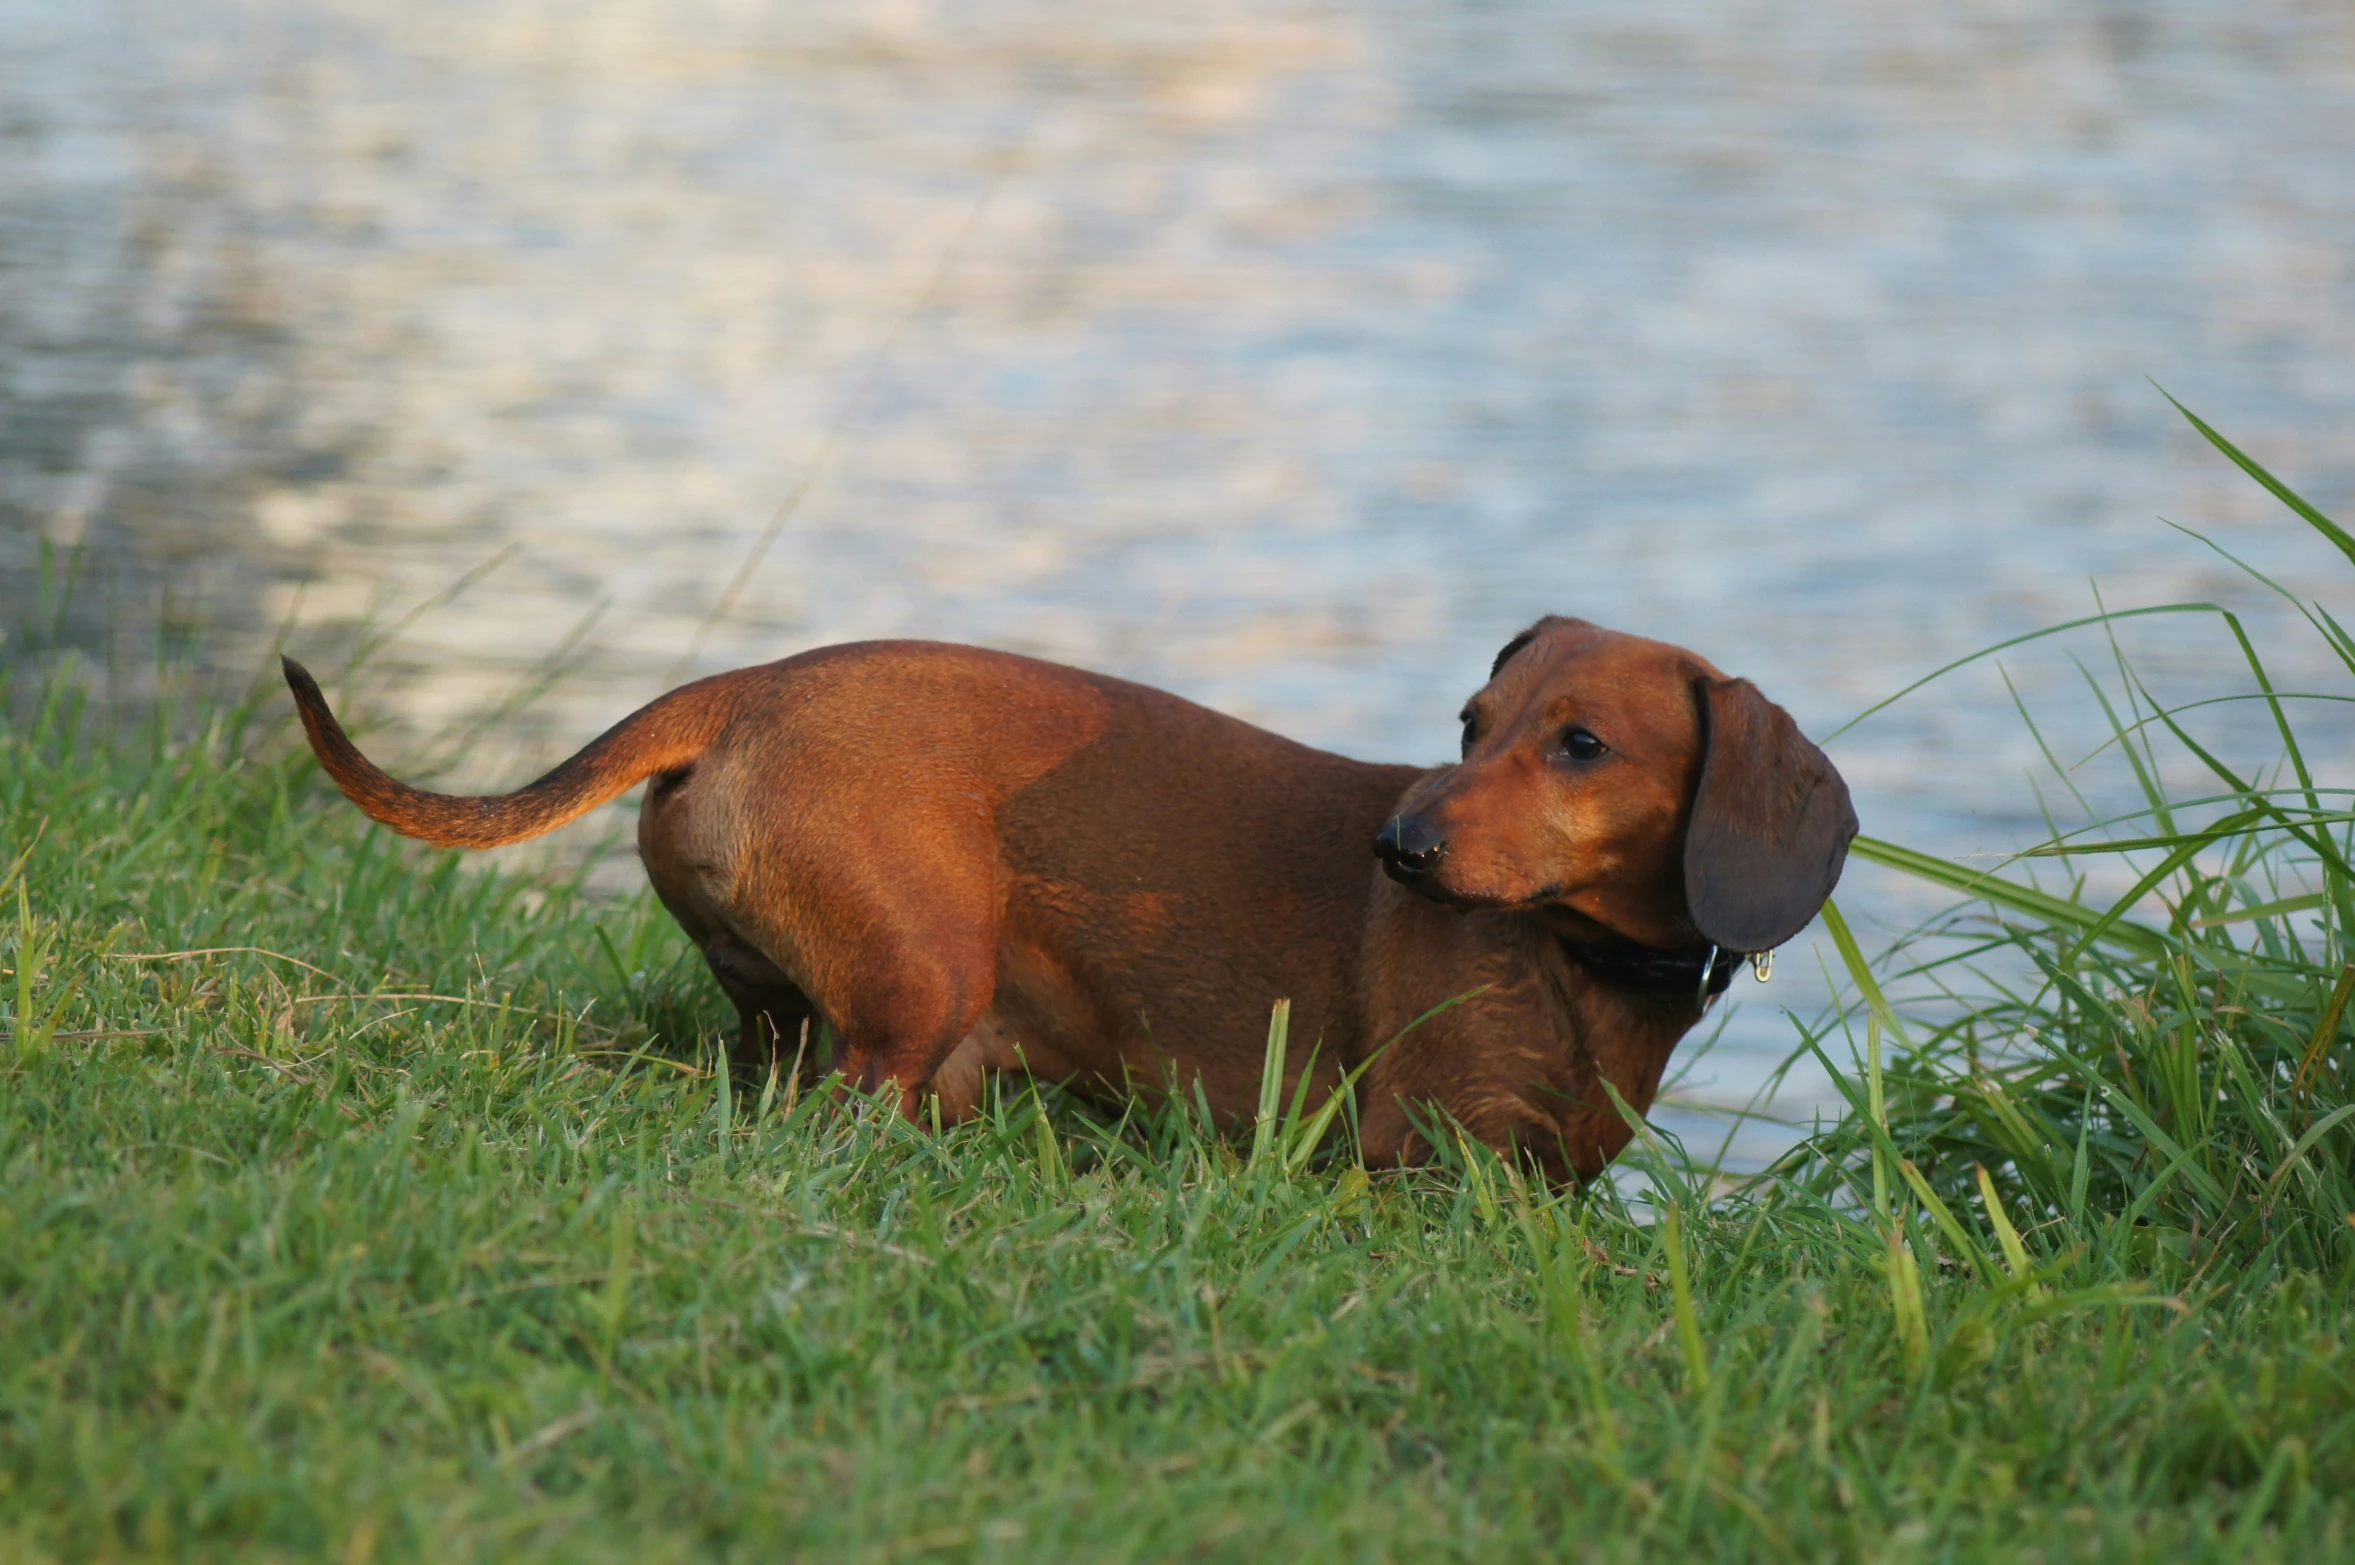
965, 861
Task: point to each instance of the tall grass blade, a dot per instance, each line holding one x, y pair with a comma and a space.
1688, 1319
2326, 1028
1986, 887
2015, 1253
1264, 1128
2273, 486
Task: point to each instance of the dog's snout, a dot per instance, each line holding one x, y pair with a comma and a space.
1409, 847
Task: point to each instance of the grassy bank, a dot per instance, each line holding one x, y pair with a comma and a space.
360, 1207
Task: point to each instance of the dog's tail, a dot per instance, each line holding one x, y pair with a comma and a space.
664, 735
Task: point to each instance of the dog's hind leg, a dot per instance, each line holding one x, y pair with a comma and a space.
907, 1018
809, 895
901, 963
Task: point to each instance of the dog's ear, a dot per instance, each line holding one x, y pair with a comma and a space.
1770, 825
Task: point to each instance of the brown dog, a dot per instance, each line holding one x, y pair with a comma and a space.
965, 861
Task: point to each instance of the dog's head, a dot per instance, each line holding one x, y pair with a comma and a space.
1633, 784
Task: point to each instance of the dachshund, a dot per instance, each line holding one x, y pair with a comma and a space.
962, 861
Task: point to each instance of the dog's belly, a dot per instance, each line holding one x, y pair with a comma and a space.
1103, 1069
1054, 1018
996, 1044
1042, 1019
1066, 1009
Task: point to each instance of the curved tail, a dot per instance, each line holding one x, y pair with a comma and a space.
662, 736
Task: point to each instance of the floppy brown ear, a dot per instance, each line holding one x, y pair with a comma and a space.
1770, 824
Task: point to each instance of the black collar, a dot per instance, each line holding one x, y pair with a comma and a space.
1698, 973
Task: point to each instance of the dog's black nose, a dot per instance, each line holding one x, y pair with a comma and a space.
1409, 847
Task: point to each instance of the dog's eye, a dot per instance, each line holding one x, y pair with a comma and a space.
1471, 733
1580, 745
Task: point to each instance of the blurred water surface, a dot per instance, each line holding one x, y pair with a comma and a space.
1288, 355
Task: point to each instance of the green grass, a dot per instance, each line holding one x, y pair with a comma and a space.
2162, 1073
356, 1205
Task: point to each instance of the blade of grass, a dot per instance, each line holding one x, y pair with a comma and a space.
2273, 486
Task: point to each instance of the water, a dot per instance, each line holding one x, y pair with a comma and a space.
1290, 356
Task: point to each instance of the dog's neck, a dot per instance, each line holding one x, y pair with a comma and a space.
1698, 972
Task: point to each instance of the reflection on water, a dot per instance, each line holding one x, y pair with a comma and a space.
1288, 355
